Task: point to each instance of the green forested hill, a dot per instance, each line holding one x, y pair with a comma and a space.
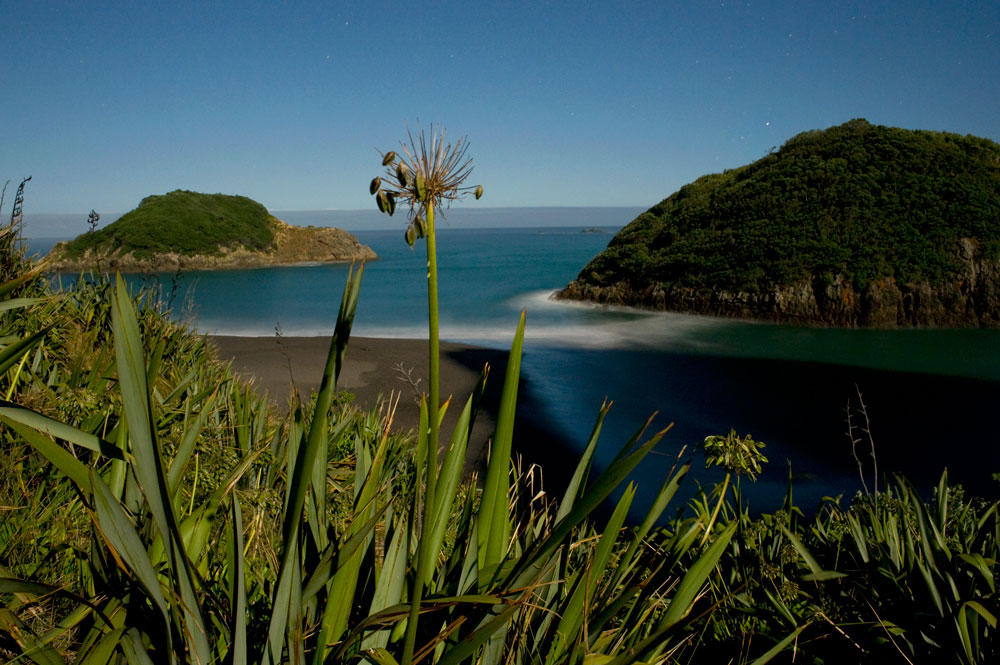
187, 223
855, 204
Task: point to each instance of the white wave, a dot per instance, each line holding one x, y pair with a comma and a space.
549, 323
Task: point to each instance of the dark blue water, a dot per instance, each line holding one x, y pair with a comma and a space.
930, 394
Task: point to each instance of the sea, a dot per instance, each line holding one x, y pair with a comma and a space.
919, 400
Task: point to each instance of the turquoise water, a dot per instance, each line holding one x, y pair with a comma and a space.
931, 394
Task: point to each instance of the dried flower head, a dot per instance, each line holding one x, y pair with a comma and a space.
427, 172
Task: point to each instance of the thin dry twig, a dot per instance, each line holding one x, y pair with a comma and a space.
867, 429
889, 634
406, 376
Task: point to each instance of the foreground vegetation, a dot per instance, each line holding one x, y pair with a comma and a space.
155, 511
856, 202
188, 223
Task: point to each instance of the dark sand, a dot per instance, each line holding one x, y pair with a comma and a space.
373, 370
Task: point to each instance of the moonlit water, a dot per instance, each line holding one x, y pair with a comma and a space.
930, 394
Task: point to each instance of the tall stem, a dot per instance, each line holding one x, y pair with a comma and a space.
433, 410
435, 348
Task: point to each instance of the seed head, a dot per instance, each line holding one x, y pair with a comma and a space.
420, 187
403, 175
427, 173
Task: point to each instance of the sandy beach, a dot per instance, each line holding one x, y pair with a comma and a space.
374, 369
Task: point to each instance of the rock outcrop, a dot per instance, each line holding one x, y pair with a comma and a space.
971, 300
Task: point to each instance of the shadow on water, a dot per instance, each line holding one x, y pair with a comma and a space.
920, 423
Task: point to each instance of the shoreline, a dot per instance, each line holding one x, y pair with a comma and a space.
374, 368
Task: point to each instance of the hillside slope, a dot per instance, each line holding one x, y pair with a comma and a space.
189, 230
856, 225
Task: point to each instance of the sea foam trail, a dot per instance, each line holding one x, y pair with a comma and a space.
549, 323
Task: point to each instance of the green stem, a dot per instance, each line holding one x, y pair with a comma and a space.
435, 349
433, 409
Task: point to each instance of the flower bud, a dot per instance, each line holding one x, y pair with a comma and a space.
389, 158
376, 183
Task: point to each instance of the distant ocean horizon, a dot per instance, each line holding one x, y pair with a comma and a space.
930, 394
62, 226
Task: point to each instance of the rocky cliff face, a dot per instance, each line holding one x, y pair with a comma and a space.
972, 299
292, 245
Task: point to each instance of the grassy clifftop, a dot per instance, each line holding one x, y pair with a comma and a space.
183, 222
857, 206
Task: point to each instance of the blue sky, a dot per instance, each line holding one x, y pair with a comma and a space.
575, 103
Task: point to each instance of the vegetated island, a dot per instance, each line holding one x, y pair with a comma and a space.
193, 231
857, 225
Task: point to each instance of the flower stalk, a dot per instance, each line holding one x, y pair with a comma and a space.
426, 175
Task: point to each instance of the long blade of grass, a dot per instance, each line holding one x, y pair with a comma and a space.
628, 559
345, 580
468, 646
61, 458
390, 584
238, 650
337, 555
301, 477
31, 646
533, 561
102, 652
196, 529
186, 447
281, 604
494, 528
148, 469
444, 492
816, 572
121, 536
134, 649
690, 586
13, 412
682, 600
10, 286
583, 466
17, 303
978, 607
779, 647
575, 611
